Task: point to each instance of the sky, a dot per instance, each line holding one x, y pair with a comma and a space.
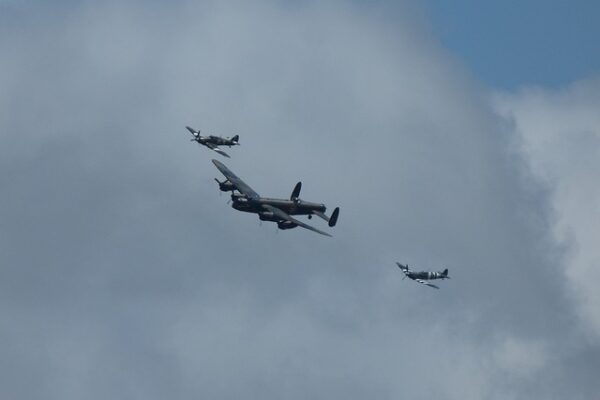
508, 44
125, 274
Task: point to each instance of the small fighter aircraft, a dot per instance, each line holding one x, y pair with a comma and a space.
213, 142
276, 210
423, 276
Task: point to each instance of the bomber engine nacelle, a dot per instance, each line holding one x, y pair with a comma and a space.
238, 198
225, 186
283, 225
267, 216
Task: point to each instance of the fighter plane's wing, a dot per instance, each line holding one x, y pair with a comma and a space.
276, 211
426, 283
216, 149
235, 181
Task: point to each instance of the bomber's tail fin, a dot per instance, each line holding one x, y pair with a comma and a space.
296, 192
334, 217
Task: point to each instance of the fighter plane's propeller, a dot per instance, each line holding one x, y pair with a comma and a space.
403, 269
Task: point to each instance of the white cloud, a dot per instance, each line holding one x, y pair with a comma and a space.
521, 357
560, 134
111, 219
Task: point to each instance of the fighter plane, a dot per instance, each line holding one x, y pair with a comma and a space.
423, 276
276, 210
212, 142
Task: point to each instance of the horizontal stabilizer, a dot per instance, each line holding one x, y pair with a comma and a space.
276, 211
192, 131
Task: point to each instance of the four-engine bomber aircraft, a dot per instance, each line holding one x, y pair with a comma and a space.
276, 210
423, 276
212, 142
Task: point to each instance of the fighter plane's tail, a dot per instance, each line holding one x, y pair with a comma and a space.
445, 274
236, 139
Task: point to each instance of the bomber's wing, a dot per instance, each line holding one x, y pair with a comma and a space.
426, 283
276, 211
216, 149
239, 184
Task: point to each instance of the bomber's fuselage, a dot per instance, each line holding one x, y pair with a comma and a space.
291, 207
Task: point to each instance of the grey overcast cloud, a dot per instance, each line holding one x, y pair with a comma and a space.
124, 274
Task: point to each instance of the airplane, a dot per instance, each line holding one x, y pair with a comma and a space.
212, 142
423, 276
276, 210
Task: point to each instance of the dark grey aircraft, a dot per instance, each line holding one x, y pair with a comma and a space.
213, 142
423, 276
276, 210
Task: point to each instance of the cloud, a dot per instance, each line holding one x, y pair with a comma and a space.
124, 274
521, 357
560, 134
